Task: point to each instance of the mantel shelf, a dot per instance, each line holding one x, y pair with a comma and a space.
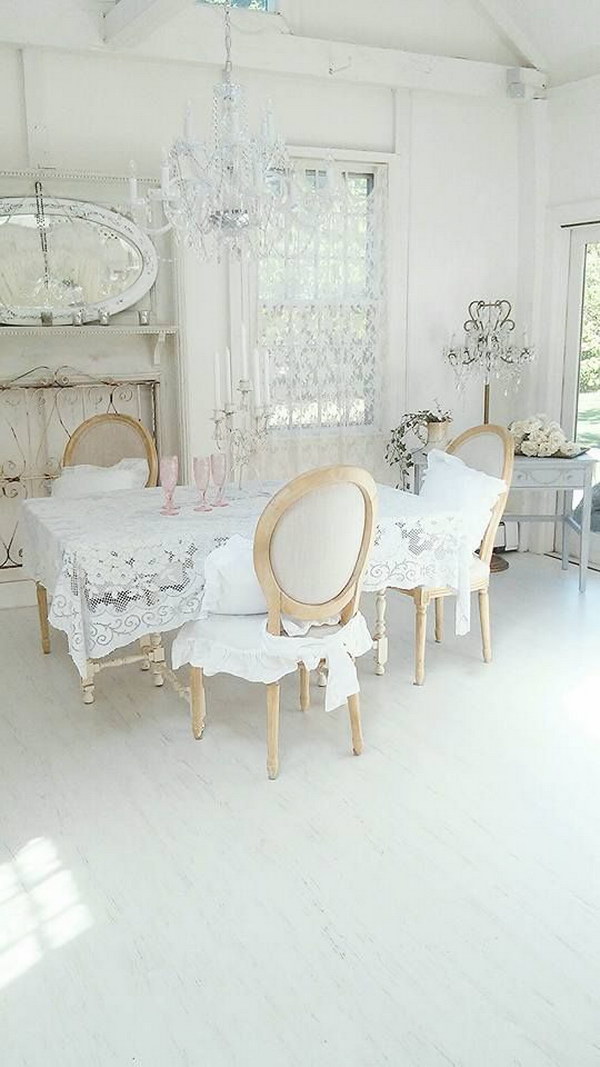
154, 329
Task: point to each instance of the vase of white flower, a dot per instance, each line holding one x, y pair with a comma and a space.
541, 437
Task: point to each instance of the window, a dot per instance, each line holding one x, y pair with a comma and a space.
321, 304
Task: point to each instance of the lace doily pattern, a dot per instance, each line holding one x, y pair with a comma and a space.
117, 569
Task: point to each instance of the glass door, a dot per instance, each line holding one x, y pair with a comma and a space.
581, 379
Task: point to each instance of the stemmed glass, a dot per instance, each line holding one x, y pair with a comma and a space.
202, 478
169, 470
218, 467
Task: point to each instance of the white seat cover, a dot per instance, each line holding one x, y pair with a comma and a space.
241, 646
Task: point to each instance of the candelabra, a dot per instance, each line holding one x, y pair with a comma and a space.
241, 430
488, 350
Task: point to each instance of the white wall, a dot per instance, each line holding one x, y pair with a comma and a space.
457, 202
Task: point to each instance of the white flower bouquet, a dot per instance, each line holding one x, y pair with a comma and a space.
539, 436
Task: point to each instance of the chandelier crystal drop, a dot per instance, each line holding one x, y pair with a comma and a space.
232, 195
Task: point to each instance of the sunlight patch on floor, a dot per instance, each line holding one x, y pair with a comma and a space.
40, 908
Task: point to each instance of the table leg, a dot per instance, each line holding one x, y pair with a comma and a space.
145, 649
566, 511
87, 683
42, 601
157, 657
380, 635
584, 540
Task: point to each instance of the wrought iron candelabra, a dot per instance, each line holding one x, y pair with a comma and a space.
489, 350
241, 430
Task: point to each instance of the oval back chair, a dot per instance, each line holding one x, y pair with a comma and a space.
312, 544
106, 439
490, 449
311, 548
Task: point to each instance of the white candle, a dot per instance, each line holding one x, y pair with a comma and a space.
228, 389
244, 354
132, 183
164, 173
267, 379
187, 122
218, 398
256, 378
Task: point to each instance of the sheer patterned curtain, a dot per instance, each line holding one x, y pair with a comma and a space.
321, 319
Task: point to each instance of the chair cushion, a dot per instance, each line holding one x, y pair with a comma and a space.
240, 645
86, 480
451, 485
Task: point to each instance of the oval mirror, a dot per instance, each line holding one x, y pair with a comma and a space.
61, 259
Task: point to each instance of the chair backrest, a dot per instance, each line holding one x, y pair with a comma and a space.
490, 449
312, 544
106, 439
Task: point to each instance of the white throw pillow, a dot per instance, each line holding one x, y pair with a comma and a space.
231, 586
451, 485
84, 479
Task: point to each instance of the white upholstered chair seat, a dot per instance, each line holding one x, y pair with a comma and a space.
240, 645
479, 572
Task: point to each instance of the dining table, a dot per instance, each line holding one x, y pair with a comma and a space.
117, 570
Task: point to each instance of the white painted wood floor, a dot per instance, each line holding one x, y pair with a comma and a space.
435, 902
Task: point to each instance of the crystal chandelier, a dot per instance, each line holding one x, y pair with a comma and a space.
489, 350
231, 195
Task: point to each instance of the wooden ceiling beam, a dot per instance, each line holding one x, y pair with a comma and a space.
129, 22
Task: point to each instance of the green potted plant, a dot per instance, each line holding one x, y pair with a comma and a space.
429, 427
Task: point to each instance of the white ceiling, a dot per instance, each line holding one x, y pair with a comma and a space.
567, 33
561, 37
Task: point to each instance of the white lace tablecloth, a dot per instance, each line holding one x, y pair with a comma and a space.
117, 569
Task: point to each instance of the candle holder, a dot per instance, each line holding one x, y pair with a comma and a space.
241, 430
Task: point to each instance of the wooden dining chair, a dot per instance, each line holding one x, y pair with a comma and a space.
102, 440
490, 449
106, 439
311, 548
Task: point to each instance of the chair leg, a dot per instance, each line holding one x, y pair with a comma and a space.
484, 618
322, 673
420, 636
439, 618
380, 636
273, 729
198, 701
42, 601
355, 727
304, 687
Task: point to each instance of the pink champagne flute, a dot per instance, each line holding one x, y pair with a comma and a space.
202, 478
218, 467
169, 470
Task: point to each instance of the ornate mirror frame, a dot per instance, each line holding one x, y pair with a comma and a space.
106, 217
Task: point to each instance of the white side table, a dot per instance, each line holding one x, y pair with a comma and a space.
548, 475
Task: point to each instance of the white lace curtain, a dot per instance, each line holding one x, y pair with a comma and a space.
321, 319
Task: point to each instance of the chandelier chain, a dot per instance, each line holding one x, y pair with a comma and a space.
228, 63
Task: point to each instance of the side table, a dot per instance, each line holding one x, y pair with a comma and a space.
547, 475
